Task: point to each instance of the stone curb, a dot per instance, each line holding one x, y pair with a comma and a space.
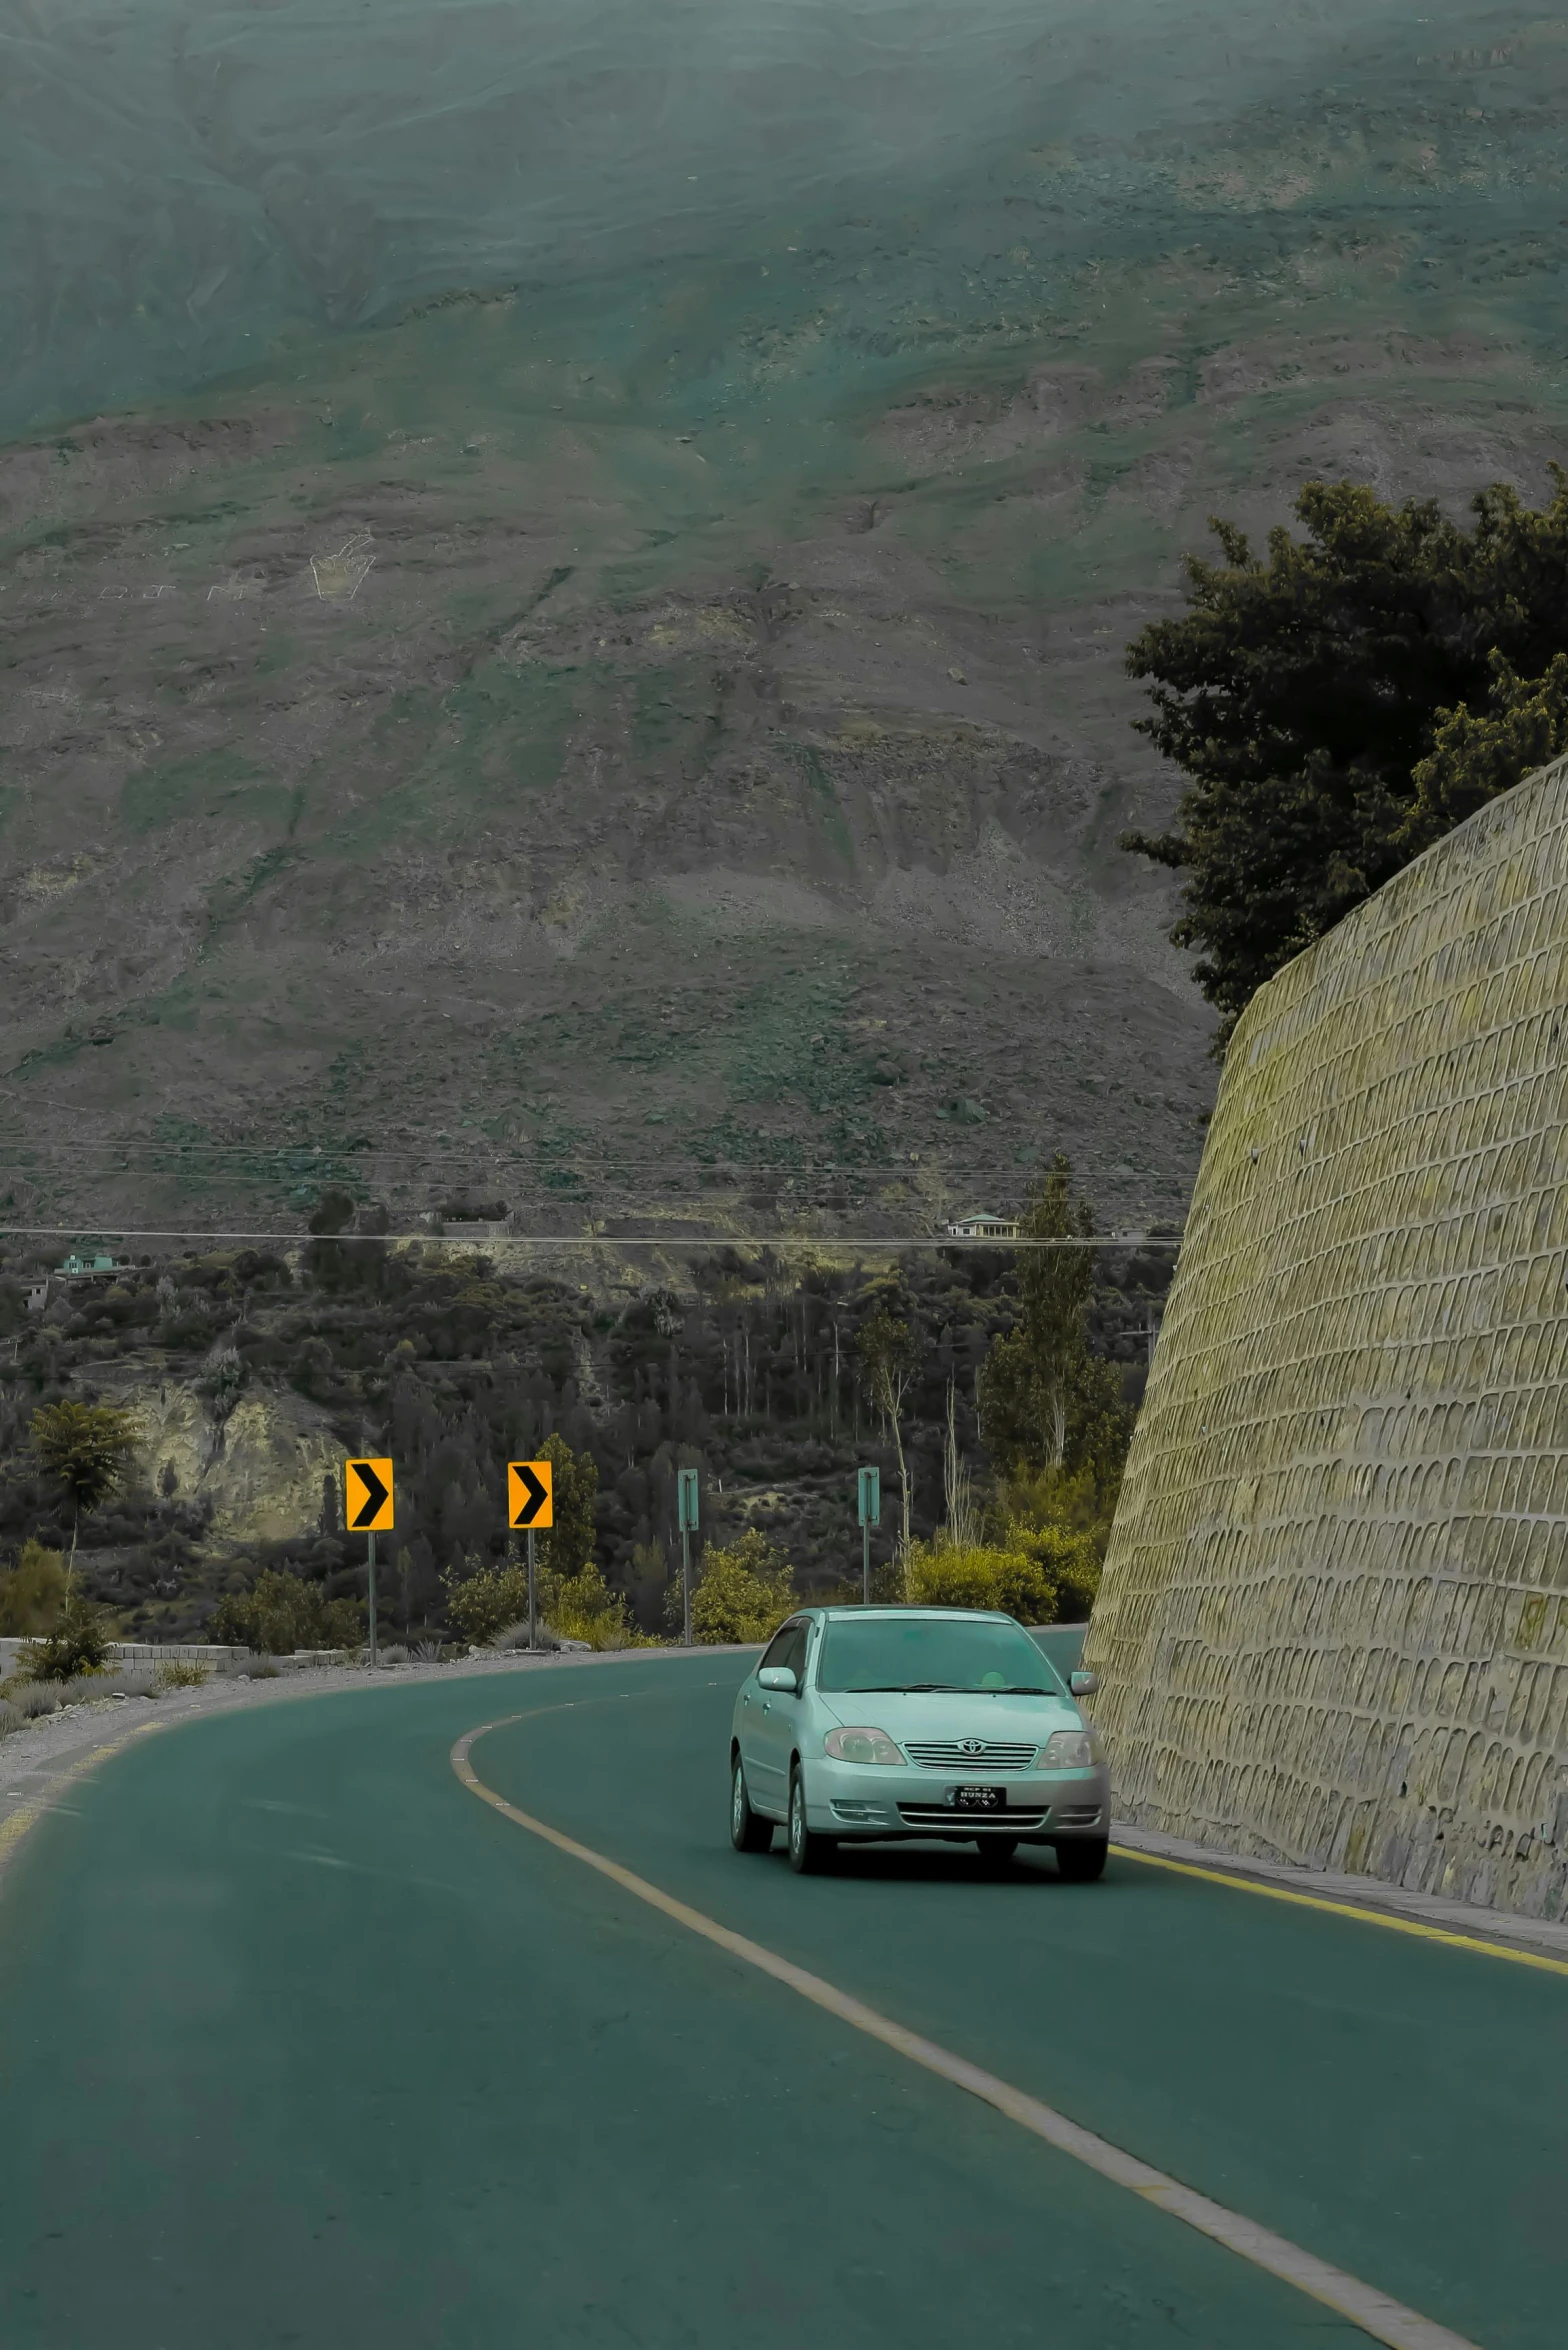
1543, 1935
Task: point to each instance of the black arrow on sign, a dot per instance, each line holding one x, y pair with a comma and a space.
537, 1496
375, 1494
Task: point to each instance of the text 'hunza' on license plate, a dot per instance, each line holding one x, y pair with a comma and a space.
977, 1798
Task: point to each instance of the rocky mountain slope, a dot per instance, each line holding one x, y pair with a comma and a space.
616, 705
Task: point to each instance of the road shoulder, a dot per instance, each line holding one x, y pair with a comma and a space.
1544, 1936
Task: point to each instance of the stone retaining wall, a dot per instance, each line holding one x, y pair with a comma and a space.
143, 1652
1334, 1620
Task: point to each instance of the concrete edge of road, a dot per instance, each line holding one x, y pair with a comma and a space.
1370, 1896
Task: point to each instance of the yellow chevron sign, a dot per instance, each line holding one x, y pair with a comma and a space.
367, 1497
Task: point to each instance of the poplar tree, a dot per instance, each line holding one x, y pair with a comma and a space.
889, 1359
1045, 1401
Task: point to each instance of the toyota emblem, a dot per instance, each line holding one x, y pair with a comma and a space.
971, 1746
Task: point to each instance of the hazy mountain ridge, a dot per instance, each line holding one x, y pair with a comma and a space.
697, 690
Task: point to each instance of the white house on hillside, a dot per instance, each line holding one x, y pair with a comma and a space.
980, 1226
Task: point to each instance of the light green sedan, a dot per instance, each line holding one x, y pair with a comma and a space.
867, 1725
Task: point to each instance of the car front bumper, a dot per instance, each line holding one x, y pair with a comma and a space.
870, 1802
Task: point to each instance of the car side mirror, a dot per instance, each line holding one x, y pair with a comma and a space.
1085, 1684
780, 1677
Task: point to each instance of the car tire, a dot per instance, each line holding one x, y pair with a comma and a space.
1083, 1860
748, 1832
809, 1853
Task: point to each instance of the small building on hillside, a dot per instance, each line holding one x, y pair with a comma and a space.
981, 1226
88, 1269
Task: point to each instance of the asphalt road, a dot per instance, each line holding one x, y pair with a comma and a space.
302, 2044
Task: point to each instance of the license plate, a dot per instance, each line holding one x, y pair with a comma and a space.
977, 1798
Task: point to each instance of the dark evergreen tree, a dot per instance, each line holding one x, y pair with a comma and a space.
1341, 702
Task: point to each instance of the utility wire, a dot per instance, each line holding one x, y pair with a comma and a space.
670, 1240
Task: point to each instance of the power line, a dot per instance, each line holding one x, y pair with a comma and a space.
596, 1240
299, 1161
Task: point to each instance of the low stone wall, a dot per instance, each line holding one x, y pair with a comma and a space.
1333, 1626
128, 1653
141, 1652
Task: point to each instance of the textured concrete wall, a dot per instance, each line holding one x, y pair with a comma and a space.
1334, 1621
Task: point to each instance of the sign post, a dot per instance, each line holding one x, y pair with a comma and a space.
870, 1515
688, 1516
367, 1510
530, 1504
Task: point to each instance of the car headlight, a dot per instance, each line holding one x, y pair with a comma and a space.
1071, 1750
862, 1745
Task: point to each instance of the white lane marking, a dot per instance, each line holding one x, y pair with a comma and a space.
1376, 2313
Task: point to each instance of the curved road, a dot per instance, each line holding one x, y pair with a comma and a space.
302, 2044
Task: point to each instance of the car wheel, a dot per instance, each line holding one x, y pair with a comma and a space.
808, 1852
1083, 1860
748, 1833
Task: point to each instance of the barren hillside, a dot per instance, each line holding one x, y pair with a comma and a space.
619, 709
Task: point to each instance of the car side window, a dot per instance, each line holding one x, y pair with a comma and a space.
788, 1647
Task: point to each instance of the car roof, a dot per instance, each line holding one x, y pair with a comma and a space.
853, 1608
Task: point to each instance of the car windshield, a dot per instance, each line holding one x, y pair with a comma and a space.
934, 1652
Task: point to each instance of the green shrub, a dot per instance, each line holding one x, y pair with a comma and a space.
1040, 1574
583, 1607
32, 1593
491, 1601
181, 1672
79, 1643
1069, 1499
982, 1576
745, 1592
1071, 1559
488, 1601
280, 1613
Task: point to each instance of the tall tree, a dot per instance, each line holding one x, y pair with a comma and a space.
1045, 1401
87, 1448
889, 1359
1308, 693
568, 1547
957, 1484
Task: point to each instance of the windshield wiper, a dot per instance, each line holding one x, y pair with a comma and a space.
899, 1688
924, 1688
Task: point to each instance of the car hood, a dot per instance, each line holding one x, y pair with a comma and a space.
938, 1713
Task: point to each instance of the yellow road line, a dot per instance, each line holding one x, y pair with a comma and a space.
1384, 2319
27, 1815
1347, 1909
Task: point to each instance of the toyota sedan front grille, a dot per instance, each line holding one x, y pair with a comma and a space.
970, 1823
969, 1754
